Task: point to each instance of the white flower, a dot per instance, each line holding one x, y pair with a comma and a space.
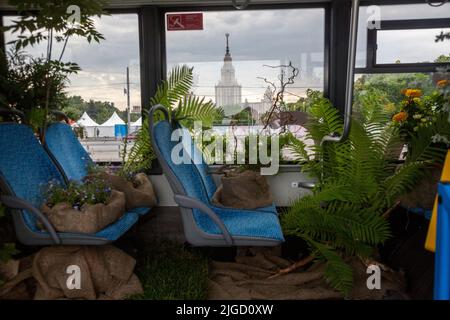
437, 138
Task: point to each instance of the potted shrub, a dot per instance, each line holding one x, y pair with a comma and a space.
359, 184
137, 188
425, 117
82, 207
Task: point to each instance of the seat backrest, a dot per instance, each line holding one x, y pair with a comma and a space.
201, 166
186, 174
63, 145
25, 167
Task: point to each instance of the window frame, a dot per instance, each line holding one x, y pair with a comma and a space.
163, 10
411, 24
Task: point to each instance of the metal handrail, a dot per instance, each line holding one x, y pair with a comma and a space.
335, 137
350, 77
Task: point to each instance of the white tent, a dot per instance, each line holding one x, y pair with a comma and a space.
86, 121
113, 120
107, 129
88, 124
134, 126
137, 123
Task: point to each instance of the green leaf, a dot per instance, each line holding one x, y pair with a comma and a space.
337, 273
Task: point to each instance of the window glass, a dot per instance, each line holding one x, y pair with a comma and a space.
401, 46
259, 41
239, 54
400, 12
95, 97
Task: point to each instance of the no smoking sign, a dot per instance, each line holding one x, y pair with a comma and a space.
184, 21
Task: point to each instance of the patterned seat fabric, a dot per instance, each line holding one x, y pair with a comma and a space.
68, 151
74, 160
26, 168
202, 168
199, 185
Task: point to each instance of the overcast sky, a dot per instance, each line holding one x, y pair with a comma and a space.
257, 38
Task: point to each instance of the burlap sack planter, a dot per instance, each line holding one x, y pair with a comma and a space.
89, 218
138, 192
243, 190
424, 192
106, 273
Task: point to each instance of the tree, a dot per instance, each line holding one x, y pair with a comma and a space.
99, 111
443, 58
51, 21
393, 84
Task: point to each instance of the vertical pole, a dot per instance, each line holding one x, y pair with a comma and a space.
350, 74
442, 255
128, 101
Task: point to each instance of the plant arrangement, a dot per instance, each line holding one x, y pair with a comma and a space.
418, 111
82, 207
239, 150
136, 186
359, 183
421, 113
94, 190
174, 94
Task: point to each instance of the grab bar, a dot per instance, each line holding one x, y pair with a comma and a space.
334, 137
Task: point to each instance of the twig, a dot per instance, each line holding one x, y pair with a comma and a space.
303, 262
279, 98
390, 210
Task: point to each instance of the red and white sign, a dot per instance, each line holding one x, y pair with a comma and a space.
184, 21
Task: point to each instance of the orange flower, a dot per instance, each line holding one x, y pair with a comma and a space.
400, 117
413, 93
442, 83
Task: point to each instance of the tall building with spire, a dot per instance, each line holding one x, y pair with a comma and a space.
228, 90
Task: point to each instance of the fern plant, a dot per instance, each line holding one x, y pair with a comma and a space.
174, 94
358, 180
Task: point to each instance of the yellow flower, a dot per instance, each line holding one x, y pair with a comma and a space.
416, 100
413, 93
442, 83
400, 117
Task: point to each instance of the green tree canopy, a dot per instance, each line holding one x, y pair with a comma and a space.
99, 111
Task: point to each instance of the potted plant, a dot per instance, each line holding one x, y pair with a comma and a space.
359, 183
136, 186
425, 117
175, 94
82, 207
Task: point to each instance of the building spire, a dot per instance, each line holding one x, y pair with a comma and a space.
227, 52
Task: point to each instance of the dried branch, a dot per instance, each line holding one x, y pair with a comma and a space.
278, 100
